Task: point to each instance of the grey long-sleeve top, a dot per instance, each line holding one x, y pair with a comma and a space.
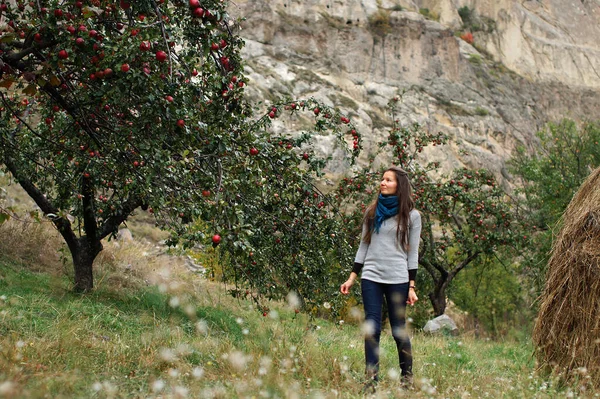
384, 260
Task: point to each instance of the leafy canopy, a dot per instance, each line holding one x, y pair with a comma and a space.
110, 106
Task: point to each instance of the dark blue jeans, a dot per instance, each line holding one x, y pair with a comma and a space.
395, 296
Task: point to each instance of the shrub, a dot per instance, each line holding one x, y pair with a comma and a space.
467, 37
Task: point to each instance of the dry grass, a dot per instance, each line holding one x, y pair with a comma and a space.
567, 331
32, 242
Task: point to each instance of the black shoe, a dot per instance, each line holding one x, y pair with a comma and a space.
369, 387
407, 382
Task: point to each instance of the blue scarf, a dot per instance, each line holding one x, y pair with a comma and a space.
387, 206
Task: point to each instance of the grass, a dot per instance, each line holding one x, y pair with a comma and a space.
186, 337
152, 329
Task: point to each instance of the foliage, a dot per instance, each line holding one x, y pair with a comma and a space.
474, 22
428, 14
111, 106
379, 23
466, 14
491, 294
548, 178
466, 215
467, 37
481, 111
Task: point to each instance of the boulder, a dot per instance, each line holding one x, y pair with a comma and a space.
441, 324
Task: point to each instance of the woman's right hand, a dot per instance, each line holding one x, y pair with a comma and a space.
345, 288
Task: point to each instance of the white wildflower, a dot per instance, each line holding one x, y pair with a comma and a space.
293, 300
158, 385
167, 355
174, 302
198, 372
202, 326
180, 391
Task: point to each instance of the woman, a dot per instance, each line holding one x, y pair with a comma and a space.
388, 257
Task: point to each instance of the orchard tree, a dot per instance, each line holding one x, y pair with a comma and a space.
109, 106
465, 215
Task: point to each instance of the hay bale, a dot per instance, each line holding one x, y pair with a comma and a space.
567, 330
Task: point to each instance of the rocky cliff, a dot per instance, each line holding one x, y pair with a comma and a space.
528, 62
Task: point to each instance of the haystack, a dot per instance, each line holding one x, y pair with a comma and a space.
567, 331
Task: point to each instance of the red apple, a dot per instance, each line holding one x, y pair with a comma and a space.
214, 46
205, 193
125, 67
169, 99
198, 12
181, 123
58, 13
161, 56
216, 239
63, 55
79, 41
194, 3
253, 151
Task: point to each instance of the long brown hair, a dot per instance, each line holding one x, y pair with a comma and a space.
405, 205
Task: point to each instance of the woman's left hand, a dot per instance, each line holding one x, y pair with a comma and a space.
412, 297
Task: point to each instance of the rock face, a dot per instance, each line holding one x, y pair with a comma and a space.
530, 62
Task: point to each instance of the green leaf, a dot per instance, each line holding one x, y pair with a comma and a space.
4, 217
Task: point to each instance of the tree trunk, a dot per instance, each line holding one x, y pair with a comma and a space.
83, 255
438, 295
438, 300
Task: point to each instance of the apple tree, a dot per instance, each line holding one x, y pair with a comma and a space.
465, 214
109, 106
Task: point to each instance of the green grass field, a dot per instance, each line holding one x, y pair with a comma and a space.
185, 337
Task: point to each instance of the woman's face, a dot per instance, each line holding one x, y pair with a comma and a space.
388, 183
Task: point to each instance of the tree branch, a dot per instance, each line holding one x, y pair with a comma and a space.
62, 224
111, 224
464, 263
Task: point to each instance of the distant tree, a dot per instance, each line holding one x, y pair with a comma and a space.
110, 106
548, 178
466, 215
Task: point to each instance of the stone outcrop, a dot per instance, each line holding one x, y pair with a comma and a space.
530, 62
